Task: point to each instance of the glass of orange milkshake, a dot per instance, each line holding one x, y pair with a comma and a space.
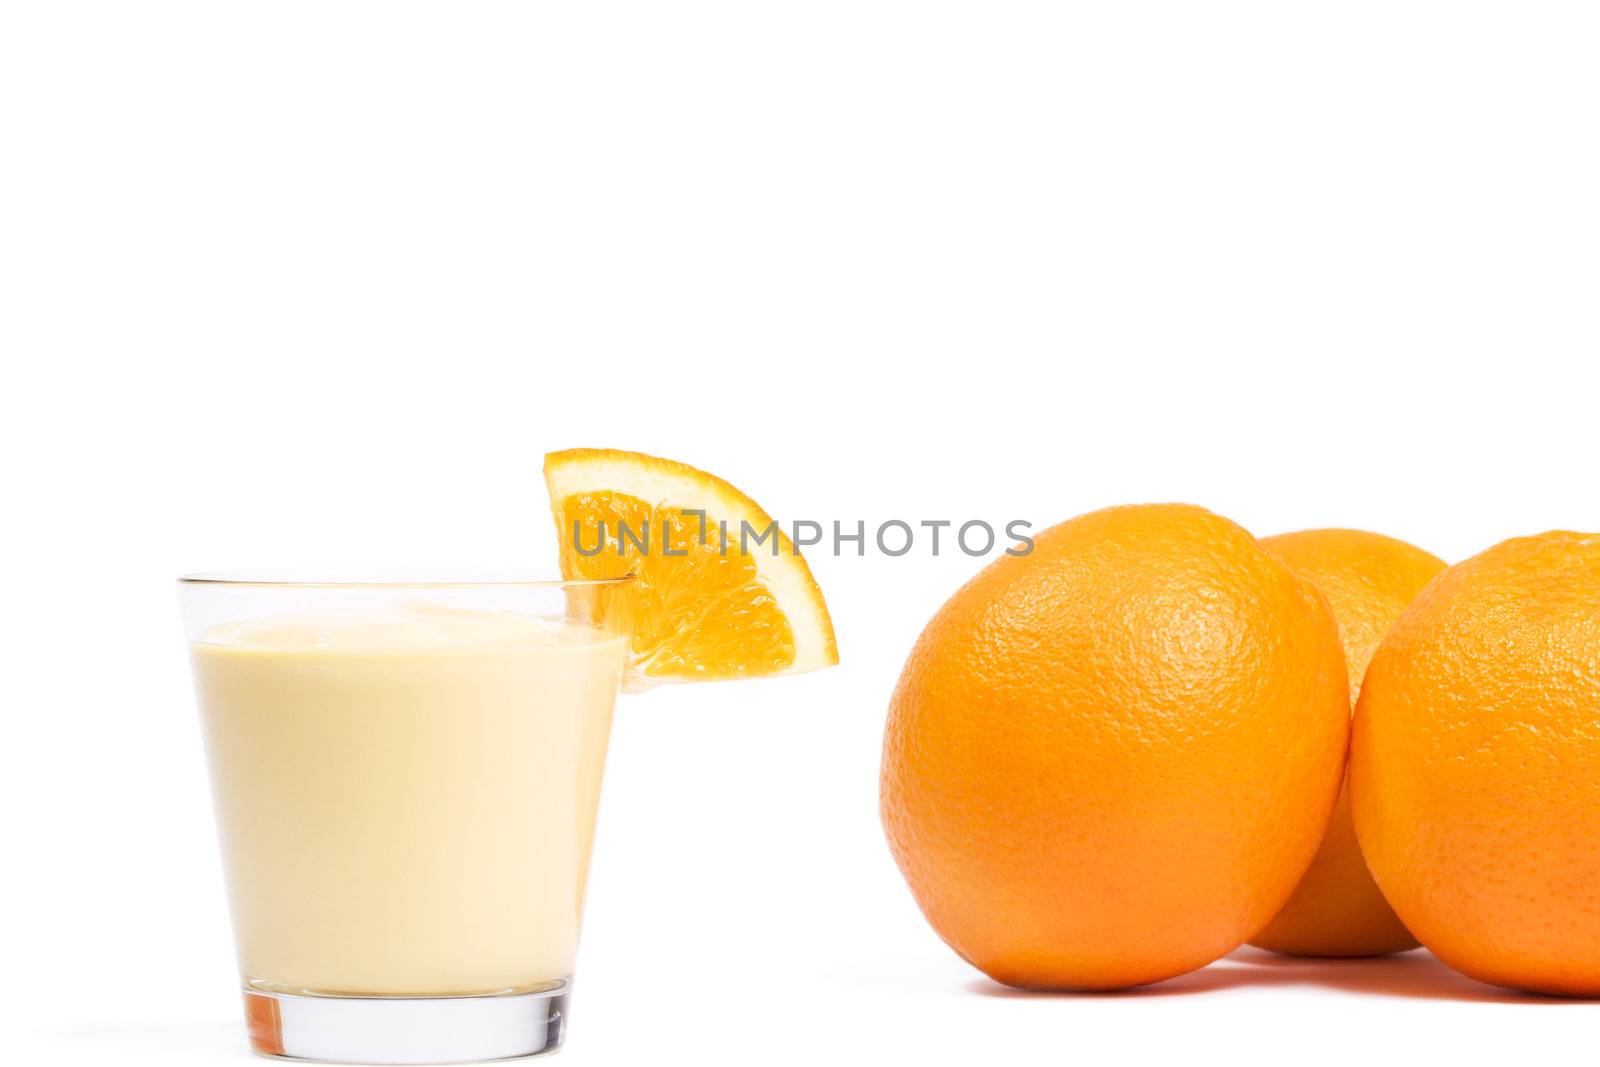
405, 775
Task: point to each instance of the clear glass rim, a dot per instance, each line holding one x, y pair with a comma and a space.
291, 579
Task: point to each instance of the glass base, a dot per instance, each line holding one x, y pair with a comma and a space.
397, 1030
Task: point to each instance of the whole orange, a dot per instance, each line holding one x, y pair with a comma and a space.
1368, 579
1475, 765
1108, 761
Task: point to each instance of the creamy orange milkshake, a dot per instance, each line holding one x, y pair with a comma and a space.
405, 779
406, 800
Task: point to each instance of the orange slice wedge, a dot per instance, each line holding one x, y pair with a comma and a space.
723, 592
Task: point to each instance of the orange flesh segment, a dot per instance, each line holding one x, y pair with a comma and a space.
703, 614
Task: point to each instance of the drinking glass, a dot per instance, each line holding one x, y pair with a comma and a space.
405, 774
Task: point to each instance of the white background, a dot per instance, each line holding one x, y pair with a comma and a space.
318, 283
